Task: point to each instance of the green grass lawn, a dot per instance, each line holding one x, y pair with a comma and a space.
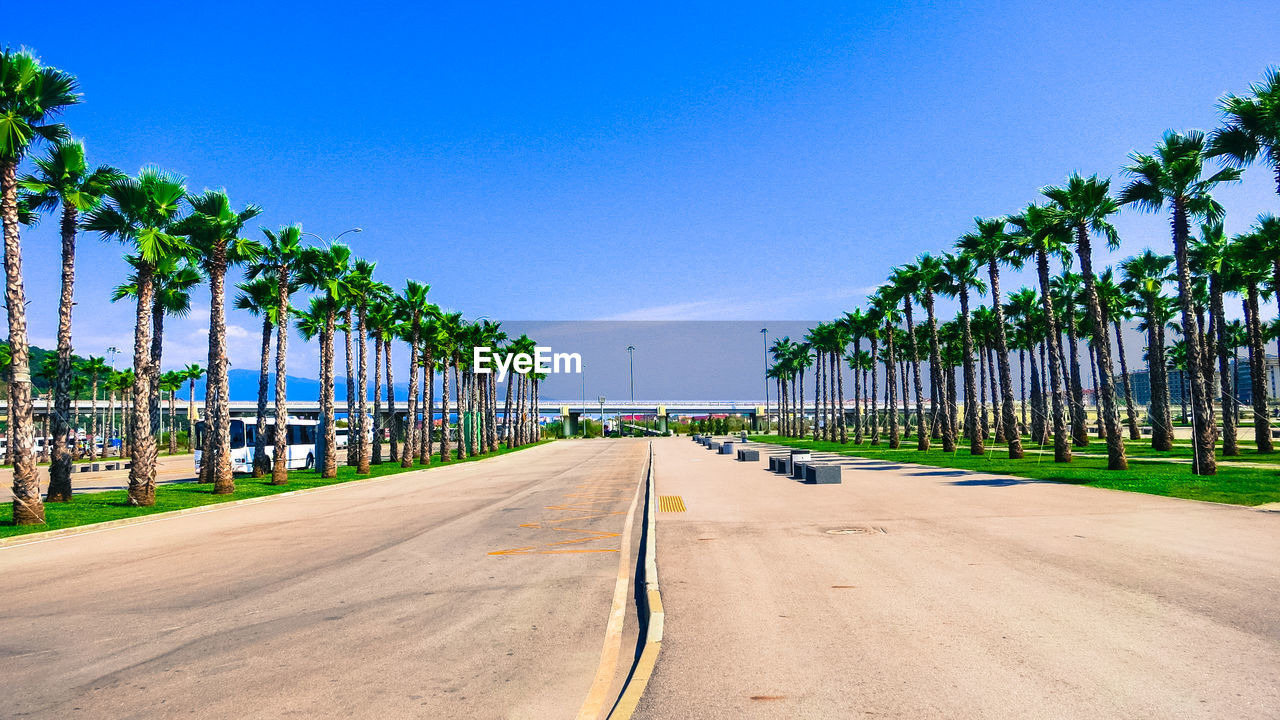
1237, 485
87, 508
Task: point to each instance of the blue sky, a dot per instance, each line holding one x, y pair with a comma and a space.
657, 161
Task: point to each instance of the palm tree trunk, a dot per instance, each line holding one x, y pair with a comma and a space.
984, 427
1230, 444
906, 398
157, 351
493, 412
445, 451
1008, 423
508, 430
327, 401
1022, 391
972, 429
378, 401
391, 405
1037, 397
875, 392
426, 439
1079, 424
817, 396
458, 400
60, 469
1206, 460
1130, 411
353, 424
362, 389
27, 506
1061, 448
1257, 368
922, 434
411, 430
261, 464
891, 389
191, 414
142, 468
1161, 428
1103, 387
837, 364
280, 456
93, 423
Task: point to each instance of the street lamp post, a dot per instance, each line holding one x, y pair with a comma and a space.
764, 332
602, 434
631, 360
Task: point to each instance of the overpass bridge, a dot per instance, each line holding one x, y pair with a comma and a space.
567, 412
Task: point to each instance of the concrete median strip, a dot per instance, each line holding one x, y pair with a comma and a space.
651, 611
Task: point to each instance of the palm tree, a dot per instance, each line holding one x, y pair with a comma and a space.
961, 273
213, 232
1253, 126
1144, 278
363, 292
990, 245
281, 254
95, 369
259, 297
193, 372
31, 95
1249, 260
47, 371
1023, 311
173, 280
1082, 208
141, 212
1116, 307
1037, 235
171, 382
906, 285
413, 307
64, 180
884, 303
1067, 288
1208, 255
325, 270
1175, 174
380, 324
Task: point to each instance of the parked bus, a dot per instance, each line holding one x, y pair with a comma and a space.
300, 442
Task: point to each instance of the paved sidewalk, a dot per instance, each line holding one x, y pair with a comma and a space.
917, 592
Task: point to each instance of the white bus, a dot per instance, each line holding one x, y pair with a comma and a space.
300, 443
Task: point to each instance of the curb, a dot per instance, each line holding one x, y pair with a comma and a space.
651, 610
32, 538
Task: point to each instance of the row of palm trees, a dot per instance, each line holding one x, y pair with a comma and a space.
1061, 229
177, 240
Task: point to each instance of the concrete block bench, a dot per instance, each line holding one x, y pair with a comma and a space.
797, 470
84, 468
697, 438
726, 448
748, 455
715, 447
780, 464
820, 474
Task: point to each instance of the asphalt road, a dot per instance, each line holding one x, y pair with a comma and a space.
483, 590
947, 594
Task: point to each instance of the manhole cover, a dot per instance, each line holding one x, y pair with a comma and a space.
856, 531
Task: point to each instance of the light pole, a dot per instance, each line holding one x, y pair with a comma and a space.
764, 332
335, 237
602, 417
583, 373
631, 359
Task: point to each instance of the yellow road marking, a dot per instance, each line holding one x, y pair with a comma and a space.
671, 503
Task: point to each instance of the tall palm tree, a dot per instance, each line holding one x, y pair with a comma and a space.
961, 273
193, 372
1252, 129
1247, 255
1066, 288
884, 303
991, 245
280, 257
932, 276
212, 230
63, 180
325, 270
142, 212
363, 289
31, 96
1208, 256
259, 297
414, 307
1023, 310
909, 280
1144, 277
380, 324
1036, 235
1082, 208
1116, 307
1174, 174
171, 382
173, 280
95, 369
